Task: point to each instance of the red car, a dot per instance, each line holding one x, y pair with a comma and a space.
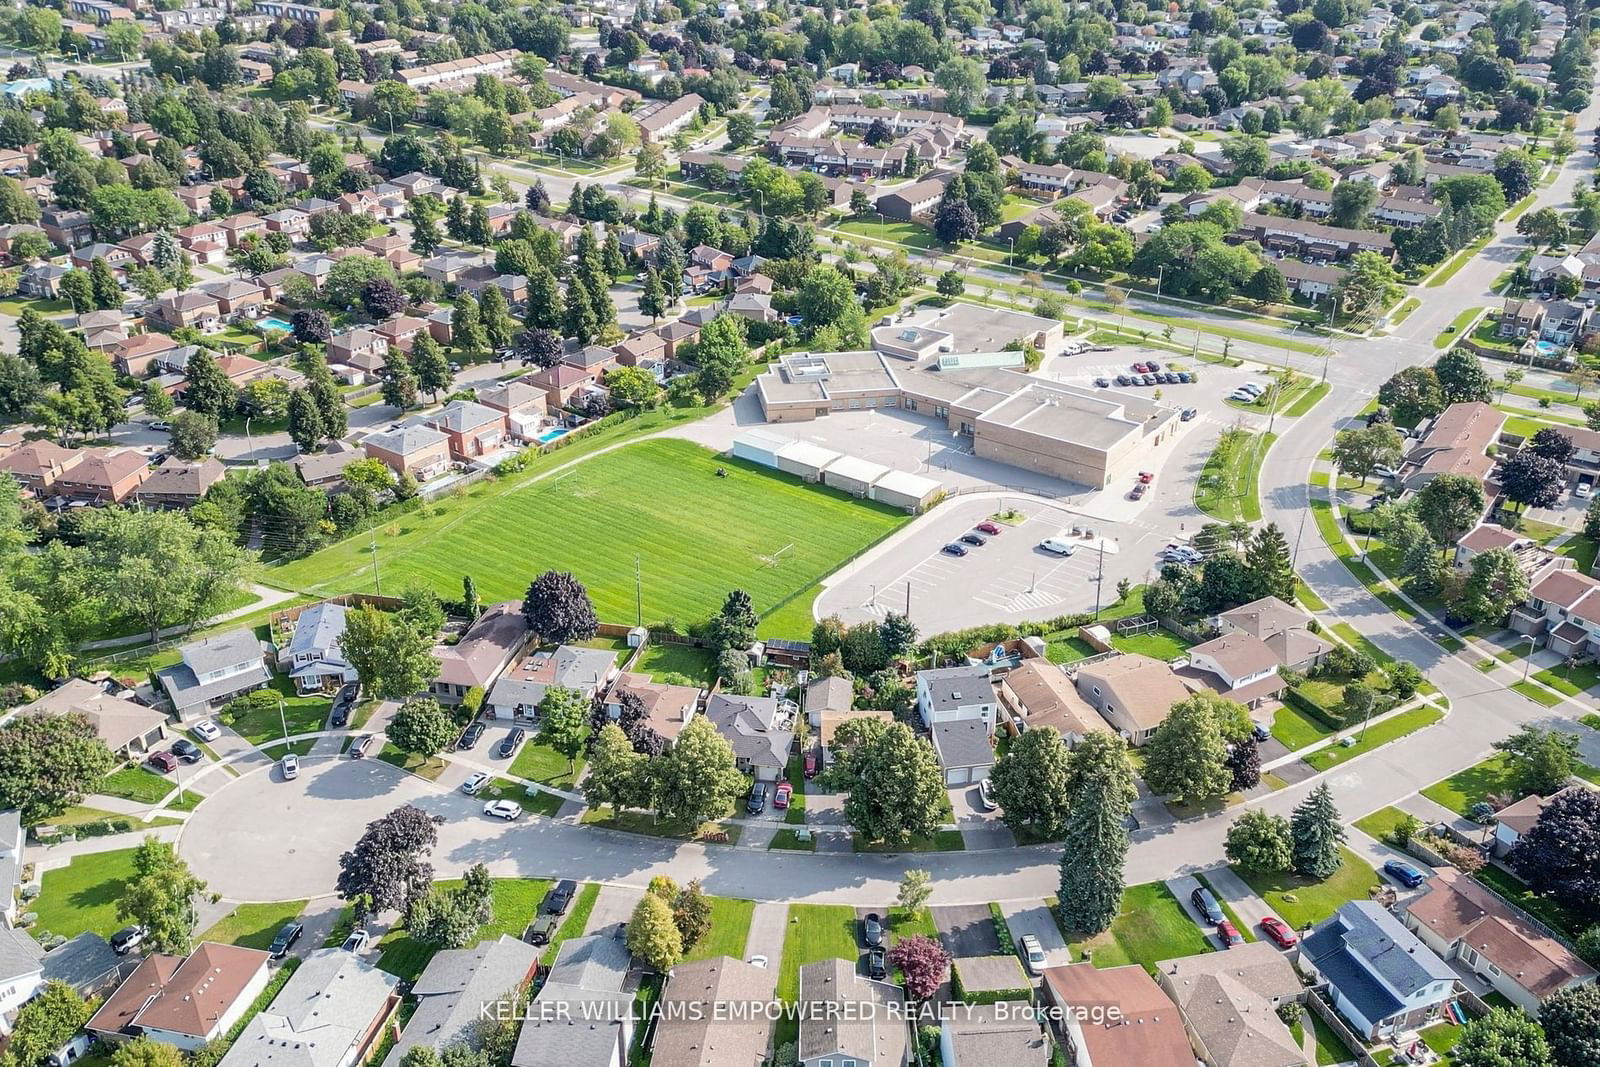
1278, 932
811, 764
781, 798
1146, 477
987, 527
166, 761
1229, 934
1140, 368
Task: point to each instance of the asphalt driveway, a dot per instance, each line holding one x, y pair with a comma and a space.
966, 930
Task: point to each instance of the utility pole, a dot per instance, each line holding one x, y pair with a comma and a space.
282, 721
638, 594
377, 579
1099, 578
1294, 560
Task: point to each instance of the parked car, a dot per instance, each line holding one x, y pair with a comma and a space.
1581, 490
127, 939
285, 940
1188, 413
1147, 379
1032, 953
1260, 732
291, 766
1229, 934
469, 736
1137, 492
511, 742
1122, 379
1146, 477
1253, 388
559, 899
187, 751
1404, 873
509, 810
1205, 902
206, 730
781, 795
543, 929
166, 762
986, 796
475, 781
1242, 397
811, 763
1056, 546
1102, 382
877, 964
872, 930
990, 528
954, 549
756, 802
1152, 365
975, 540
357, 941
1278, 932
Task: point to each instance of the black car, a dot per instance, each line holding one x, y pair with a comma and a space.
559, 899
286, 937
1122, 379
756, 802
512, 740
1206, 904
187, 750
340, 717
127, 939
953, 549
470, 736
975, 540
872, 930
876, 964
1102, 382
1153, 365
1147, 379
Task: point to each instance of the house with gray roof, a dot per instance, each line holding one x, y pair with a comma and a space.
1379, 975
457, 986
472, 428
849, 1018
522, 686
329, 1014
964, 750
213, 671
12, 841
584, 1015
87, 963
948, 694
313, 657
21, 973
760, 729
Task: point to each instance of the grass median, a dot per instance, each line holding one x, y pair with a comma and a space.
1227, 488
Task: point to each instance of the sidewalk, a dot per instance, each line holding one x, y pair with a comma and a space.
54, 856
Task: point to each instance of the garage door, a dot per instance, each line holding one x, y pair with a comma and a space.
979, 774
958, 776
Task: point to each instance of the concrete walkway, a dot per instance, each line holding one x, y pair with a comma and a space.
1431, 811
266, 596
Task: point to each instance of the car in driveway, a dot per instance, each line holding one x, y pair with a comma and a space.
559, 899
986, 796
127, 939
975, 540
1229, 934
291, 766
285, 940
357, 941
509, 810
872, 930
511, 742
1278, 932
362, 746
756, 802
954, 549
469, 736
990, 528
206, 730
543, 929
475, 781
1032, 953
1404, 873
165, 762
187, 751
812, 764
1205, 902
781, 795
877, 963
1056, 546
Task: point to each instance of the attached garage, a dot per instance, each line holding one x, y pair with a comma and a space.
964, 750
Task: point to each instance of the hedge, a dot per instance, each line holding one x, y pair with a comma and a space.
1326, 716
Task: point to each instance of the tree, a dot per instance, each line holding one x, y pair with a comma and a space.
720, 353
429, 367
1369, 283
951, 283
1506, 1037
388, 865
192, 434
311, 326
1267, 561
48, 763
146, 1051
393, 659
1100, 796
45, 1023
160, 897
1361, 451
1543, 227
653, 300
922, 962
1317, 835
916, 886
563, 715
955, 221
1412, 395
1542, 761
1462, 378
1571, 1021
450, 918
1184, 759
1495, 584
305, 421
399, 388
1533, 480
1449, 506
964, 81
1030, 783
896, 789
618, 775
1260, 842
208, 390
383, 299
1552, 443
1352, 203
634, 387
558, 609
652, 935
1516, 172
422, 728
697, 780
107, 293
735, 625
1244, 765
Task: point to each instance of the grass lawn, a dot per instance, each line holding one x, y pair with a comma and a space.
572, 924
83, 895
81, 816
1300, 901
1308, 399
1537, 694
788, 840
514, 902
1152, 926
14, 305
1382, 733
777, 536
1226, 489
1581, 550
301, 715
730, 929
137, 784
1547, 911
693, 662
1381, 823
537, 802
1571, 680
905, 233
1068, 650
1296, 729
643, 822
1330, 1049
538, 762
253, 925
1468, 787
1157, 644
1452, 333
425, 767
816, 932
1308, 597
902, 924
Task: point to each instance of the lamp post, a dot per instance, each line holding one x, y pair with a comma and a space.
1161, 276
248, 443
1011, 253
1527, 664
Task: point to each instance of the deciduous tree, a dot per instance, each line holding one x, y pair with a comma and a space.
1185, 758
1506, 1037
652, 935
558, 609
388, 865
1571, 1022
44, 1024
1542, 760
896, 790
697, 779
563, 715
160, 897
1030, 783
923, 962
422, 728
1495, 584
393, 659
48, 763
1261, 842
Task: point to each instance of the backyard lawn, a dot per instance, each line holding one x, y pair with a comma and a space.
514, 902
83, 895
1468, 787
730, 929
691, 661
1547, 911
776, 536
1152, 926
1300, 901
1157, 644
253, 925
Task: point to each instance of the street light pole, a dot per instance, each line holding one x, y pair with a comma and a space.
1527, 664
282, 720
1161, 276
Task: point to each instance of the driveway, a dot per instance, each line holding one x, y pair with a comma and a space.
966, 930
979, 829
769, 925
1181, 887
1024, 917
612, 908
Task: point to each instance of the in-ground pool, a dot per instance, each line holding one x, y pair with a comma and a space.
1546, 350
272, 322
550, 435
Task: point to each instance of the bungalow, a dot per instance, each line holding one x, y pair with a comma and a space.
521, 687
128, 728
1238, 666
1284, 628
104, 476
487, 648
1378, 974
667, 707
588, 982
1133, 693
760, 729
417, 449
1146, 1028
179, 483
214, 670
847, 1017
1230, 1001
1038, 695
330, 1013
458, 987
1455, 441
313, 657
184, 1002
696, 1030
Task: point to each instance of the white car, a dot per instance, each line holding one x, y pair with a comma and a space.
1241, 396
474, 783
357, 941
291, 766
508, 810
986, 796
1581, 490
206, 730
757, 961
1385, 472
1032, 953
1253, 388
1057, 546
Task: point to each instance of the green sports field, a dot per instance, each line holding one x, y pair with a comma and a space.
696, 536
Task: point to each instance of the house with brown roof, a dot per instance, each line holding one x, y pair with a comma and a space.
1146, 1029
486, 649
1454, 442
192, 308
179, 483
128, 728
694, 1031
1229, 1002
1517, 818
1038, 695
237, 298
401, 331
134, 355
1563, 607
1238, 666
1133, 693
103, 475
1466, 923
560, 383
236, 228
360, 349
38, 465
185, 1002
522, 404
667, 707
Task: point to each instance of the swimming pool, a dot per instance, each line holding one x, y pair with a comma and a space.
1547, 350
550, 435
272, 322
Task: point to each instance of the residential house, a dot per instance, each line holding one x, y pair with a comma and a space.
983, 1035
13, 843
103, 476
560, 383
1517, 818
584, 1014
457, 987
1285, 628
1565, 321
847, 1017
949, 694
313, 657
1378, 974
214, 670
667, 708
330, 1013
1455, 441
179, 483
1132, 692
1463, 920
1239, 666
365, 346
487, 648
913, 201
695, 1028
522, 406
183, 1001
237, 299
325, 470
832, 695
1311, 240
660, 119
42, 280
192, 308
1563, 606
1229, 1002
964, 750
1314, 281
87, 963
289, 220
760, 729
401, 331
522, 686
1486, 535
38, 465
128, 728
1146, 1029
116, 257
418, 450
1038, 695
472, 429
236, 228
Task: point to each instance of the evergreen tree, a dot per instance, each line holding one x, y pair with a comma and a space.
653, 301
498, 325
107, 293
428, 364
164, 252
479, 232
579, 322
305, 421
611, 253
424, 228
546, 309
399, 385
1267, 560
456, 223
208, 390
537, 199
466, 327
330, 405
1100, 795
1318, 835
